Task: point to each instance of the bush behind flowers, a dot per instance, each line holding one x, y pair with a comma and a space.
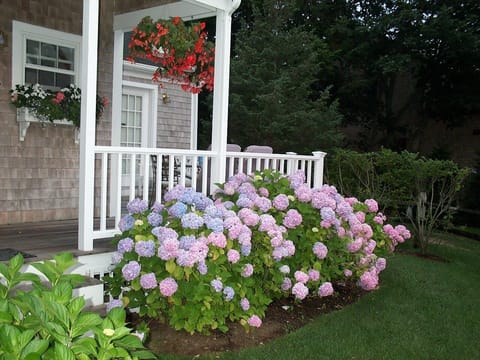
199, 263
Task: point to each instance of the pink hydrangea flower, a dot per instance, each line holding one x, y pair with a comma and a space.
347, 272
369, 279
372, 205
217, 239
287, 284
301, 277
300, 291
292, 219
233, 256
247, 270
281, 202
326, 289
168, 286
254, 321
381, 264
313, 275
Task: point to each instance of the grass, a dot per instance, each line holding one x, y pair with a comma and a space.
424, 309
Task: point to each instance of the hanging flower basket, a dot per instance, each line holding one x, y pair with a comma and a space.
181, 51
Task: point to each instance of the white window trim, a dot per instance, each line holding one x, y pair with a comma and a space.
22, 31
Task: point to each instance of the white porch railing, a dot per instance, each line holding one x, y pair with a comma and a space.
122, 174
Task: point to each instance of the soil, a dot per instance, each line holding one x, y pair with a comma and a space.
281, 317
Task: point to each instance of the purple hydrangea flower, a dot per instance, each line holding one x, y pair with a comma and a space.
372, 205
114, 303
229, 293
137, 206
187, 196
126, 223
263, 204
287, 284
192, 221
168, 286
174, 194
163, 233
145, 248
320, 250
168, 249
263, 192
154, 219
131, 270
381, 264
201, 201
217, 285
245, 304
117, 257
281, 202
148, 281
202, 267
157, 207
244, 202
313, 275
125, 245
328, 214
296, 179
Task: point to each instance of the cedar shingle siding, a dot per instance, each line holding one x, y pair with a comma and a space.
39, 176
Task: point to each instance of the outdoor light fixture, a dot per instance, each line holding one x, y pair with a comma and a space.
165, 98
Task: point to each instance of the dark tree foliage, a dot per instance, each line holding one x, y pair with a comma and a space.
272, 101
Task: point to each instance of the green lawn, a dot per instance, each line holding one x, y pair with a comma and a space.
424, 309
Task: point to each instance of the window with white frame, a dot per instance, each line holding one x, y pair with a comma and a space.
45, 56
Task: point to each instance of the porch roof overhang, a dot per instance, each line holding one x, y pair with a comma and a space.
186, 9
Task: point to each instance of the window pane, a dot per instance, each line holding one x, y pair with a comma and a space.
130, 136
32, 59
138, 119
131, 119
31, 76
65, 54
139, 103
65, 65
124, 102
48, 62
63, 80
124, 118
46, 78
138, 135
49, 50
33, 47
124, 135
131, 102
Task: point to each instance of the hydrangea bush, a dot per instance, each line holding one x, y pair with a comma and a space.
199, 262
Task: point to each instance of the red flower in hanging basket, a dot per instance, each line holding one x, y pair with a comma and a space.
181, 51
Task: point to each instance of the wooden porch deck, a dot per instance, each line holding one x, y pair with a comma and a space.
45, 239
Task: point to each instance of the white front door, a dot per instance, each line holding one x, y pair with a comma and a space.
137, 129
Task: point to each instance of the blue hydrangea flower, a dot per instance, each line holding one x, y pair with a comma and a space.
192, 221
202, 268
126, 223
217, 285
145, 248
229, 293
186, 242
114, 303
246, 249
201, 201
154, 219
157, 207
214, 224
187, 196
162, 233
177, 210
125, 245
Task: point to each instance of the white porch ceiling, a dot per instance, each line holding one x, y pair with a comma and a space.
186, 9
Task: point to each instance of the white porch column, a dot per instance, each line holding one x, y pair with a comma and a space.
318, 169
220, 94
87, 119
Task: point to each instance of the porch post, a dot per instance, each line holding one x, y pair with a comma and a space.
318, 170
220, 94
87, 120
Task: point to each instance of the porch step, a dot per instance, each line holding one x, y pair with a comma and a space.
91, 289
93, 267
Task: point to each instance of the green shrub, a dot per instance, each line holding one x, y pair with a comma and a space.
43, 320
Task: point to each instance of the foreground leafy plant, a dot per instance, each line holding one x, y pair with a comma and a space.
198, 263
44, 320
